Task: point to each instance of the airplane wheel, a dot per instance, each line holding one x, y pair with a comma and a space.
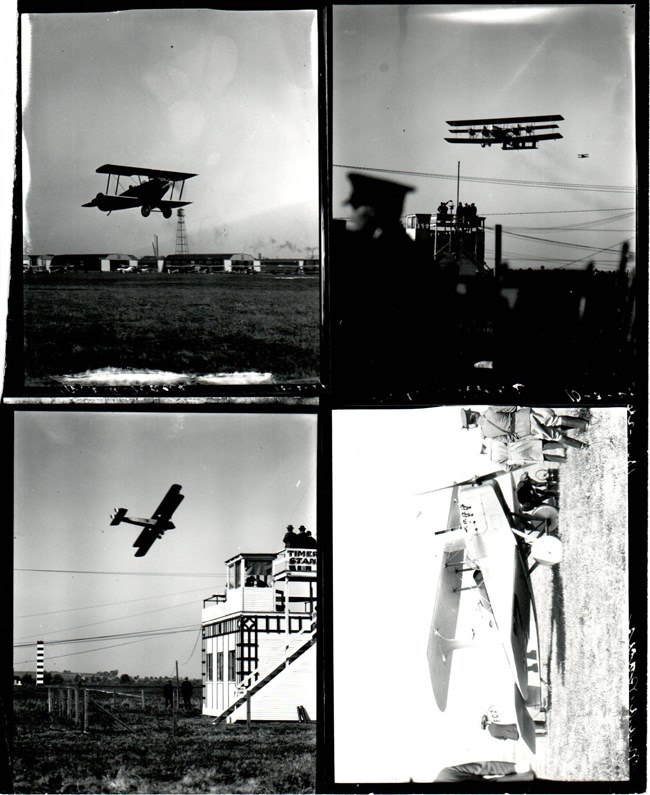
145, 211
167, 213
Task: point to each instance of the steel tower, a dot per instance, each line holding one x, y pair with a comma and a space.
182, 246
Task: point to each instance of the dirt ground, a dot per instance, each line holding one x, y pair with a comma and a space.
583, 611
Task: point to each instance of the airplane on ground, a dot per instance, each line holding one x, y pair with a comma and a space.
158, 524
148, 194
514, 132
484, 596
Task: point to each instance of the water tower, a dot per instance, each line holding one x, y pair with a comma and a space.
182, 246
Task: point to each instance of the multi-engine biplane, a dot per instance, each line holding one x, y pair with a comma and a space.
583, 155
157, 525
515, 132
145, 193
484, 596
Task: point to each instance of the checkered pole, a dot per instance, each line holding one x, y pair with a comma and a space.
40, 658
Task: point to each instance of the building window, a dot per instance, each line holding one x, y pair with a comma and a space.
232, 673
209, 670
219, 666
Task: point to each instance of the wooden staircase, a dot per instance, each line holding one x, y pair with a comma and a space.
284, 662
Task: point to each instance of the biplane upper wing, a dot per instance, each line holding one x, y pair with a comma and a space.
504, 120
169, 503
135, 171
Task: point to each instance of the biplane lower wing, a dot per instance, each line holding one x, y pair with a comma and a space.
443, 625
145, 540
171, 204
110, 203
525, 723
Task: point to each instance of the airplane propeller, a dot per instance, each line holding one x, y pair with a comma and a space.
475, 480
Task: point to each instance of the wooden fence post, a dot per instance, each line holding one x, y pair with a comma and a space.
86, 705
142, 697
50, 699
113, 703
61, 706
76, 706
69, 702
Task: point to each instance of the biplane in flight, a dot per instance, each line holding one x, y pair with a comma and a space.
157, 525
515, 132
484, 599
147, 193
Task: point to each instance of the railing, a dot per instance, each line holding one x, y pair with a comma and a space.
280, 662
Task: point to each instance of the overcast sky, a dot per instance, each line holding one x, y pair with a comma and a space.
400, 72
244, 476
228, 95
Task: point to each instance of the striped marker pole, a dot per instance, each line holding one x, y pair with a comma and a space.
40, 657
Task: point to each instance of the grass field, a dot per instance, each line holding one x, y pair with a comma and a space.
583, 612
52, 755
184, 323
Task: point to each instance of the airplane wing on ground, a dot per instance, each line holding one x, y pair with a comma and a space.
443, 626
169, 503
134, 171
496, 552
525, 723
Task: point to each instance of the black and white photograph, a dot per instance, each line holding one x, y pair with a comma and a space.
170, 184
481, 566
483, 198
165, 602
324, 399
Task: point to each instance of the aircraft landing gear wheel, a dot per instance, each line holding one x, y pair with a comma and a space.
167, 213
145, 211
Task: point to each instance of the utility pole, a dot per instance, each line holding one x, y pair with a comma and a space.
175, 700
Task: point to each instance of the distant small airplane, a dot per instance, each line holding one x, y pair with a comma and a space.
583, 154
506, 131
147, 195
157, 525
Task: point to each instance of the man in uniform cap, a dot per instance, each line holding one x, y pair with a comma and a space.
377, 205
380, 296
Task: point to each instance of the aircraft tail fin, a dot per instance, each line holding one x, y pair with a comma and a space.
118, 515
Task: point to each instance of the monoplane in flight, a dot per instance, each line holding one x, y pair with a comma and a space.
145, 193
158, 524
514, 132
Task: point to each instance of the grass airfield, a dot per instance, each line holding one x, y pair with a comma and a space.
198, 324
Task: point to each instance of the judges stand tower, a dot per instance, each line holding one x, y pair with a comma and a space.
455, 242
259, 638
